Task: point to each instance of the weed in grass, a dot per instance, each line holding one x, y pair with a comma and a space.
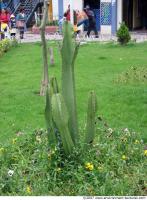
134, 75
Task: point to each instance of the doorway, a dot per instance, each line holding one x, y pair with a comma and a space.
95, 6
143, 13
128, 13
135, 14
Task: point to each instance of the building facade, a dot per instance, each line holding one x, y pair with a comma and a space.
110, 13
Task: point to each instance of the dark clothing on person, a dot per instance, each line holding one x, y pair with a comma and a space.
13, 23
13, 26
92, 23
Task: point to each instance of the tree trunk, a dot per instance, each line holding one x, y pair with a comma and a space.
45, 79
52, 61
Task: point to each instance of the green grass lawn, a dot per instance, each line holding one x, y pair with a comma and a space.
121, 105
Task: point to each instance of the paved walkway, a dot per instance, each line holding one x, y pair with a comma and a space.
136, 36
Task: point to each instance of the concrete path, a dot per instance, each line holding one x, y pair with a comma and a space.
137, 37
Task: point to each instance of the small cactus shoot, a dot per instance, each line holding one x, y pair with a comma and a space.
91, 116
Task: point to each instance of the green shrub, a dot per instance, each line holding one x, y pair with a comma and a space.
123, 34
6, 44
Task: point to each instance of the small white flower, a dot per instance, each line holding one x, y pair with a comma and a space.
10, 172
126, 130
110, 130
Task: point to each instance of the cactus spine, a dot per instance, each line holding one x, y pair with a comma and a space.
91, 115
61, 118
69, 52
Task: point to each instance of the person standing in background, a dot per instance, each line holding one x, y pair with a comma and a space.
21, 22
4, 22
13, 26
92, 22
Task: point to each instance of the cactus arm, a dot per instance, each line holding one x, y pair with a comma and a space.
75, 53
68, 80
91, 116
60, 117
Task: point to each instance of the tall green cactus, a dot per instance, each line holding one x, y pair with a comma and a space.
91, 116
61, 111
61, 119
69, 52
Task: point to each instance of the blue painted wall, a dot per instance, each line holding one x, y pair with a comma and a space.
60, 9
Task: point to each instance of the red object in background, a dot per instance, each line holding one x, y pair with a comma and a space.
4, 18
68, 15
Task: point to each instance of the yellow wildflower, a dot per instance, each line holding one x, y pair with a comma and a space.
28, 189
89, 166
58, 170
124, 157
14, 141
2, 150
136, 142
145, 152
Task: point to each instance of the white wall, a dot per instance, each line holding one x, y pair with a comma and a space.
55, 8
65, 4
119, 12
77, 4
